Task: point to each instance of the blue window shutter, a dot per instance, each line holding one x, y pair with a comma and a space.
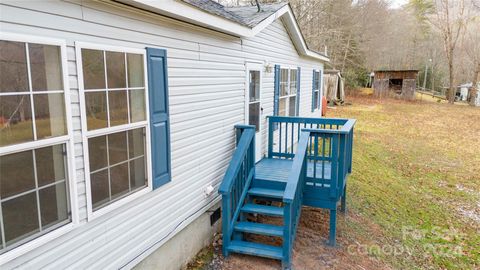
320, 81
299, 90
313, 89
159, 116
276, 90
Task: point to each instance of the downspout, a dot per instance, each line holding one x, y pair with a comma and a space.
259, 9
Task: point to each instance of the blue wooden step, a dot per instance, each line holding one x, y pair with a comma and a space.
265, 192
263, 209
256, 249
259, 228
270, 184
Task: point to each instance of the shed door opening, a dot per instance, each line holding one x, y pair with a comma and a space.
396, 85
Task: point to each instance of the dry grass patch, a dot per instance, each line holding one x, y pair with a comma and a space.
410, 159
413, 196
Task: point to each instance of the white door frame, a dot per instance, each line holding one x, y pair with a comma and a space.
258, 135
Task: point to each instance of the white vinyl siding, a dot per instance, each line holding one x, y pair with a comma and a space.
274, 46
207, 98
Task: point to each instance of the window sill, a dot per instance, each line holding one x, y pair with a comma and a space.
94, 214
35, 243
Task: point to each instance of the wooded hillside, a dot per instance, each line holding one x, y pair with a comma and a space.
365, 35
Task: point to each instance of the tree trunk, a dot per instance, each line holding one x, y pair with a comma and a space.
433, 79
451, 89
473, 91
22, 114
346, 52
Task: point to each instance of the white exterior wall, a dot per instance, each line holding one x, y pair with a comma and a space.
273, 46
478, 98
207, 87
463, 93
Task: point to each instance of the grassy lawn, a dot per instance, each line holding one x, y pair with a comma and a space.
413, 196
23, 131
417, 178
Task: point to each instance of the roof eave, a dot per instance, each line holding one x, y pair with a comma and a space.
187, 13
190, 14
296, 35
286, 14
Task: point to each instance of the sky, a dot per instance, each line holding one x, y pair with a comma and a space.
397, 3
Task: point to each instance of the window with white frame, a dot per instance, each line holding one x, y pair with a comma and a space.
288, 92
34, 140
316, 90
116, 123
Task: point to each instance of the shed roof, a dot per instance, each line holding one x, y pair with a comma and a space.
331, 71
396, 70
468, 85
396, 74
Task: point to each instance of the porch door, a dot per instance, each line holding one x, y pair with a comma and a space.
253, 110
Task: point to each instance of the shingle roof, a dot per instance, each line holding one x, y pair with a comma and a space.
242, 22
244, 15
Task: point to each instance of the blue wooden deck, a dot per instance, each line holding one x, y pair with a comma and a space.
275, 169
308, 162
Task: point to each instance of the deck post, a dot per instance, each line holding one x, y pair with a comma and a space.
343, 205
225, 223
270, 137
286, 265
336, 174
287, 234
333, 227
350, 151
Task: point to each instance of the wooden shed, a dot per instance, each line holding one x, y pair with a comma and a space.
333, 86
395, 82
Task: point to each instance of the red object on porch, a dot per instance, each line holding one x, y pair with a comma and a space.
324, 106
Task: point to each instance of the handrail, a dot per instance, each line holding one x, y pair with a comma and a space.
323, 130
236, 182
348, 126
242, 198
293, 196
296, 171
330, 144
234, 166
284, 132
298, 119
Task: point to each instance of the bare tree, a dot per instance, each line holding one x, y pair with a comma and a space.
450, 18
366, 35
473, 92
471, 46
471, 52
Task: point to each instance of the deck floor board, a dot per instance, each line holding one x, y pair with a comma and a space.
275, 169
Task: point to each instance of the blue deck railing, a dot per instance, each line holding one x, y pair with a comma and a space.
330, 144
293, 196
309, 159
328, 157
237, 180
